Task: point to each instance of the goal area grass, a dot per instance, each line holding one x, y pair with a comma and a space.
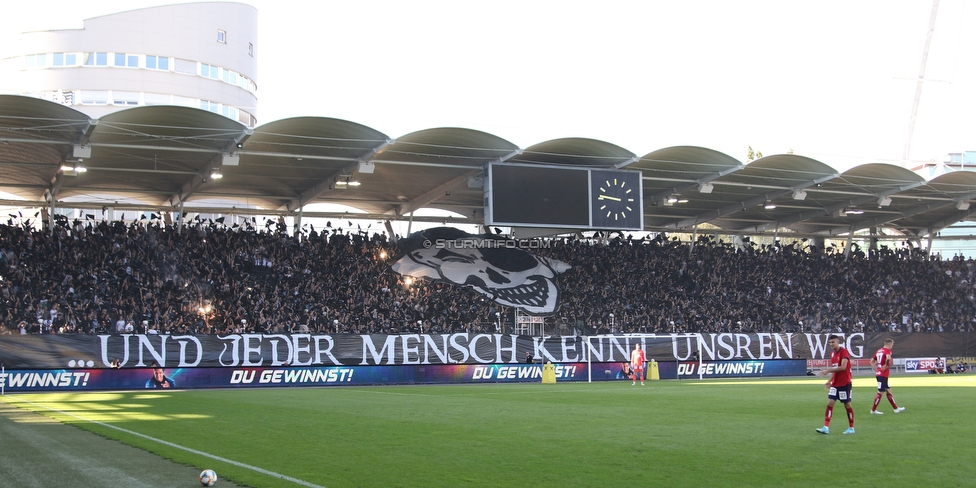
713, 433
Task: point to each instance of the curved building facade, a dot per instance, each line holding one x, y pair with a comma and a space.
201, 55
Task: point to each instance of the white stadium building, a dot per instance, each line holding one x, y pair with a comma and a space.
200, 55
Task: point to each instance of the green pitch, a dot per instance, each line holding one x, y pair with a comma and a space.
669, 433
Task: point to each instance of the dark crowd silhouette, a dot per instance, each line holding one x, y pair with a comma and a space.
146, 277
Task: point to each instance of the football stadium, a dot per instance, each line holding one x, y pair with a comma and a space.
190, 295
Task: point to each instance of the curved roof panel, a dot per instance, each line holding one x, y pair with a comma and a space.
939, 203
160, 157
691, 161
576, 151
37, 138
289, 163
152, 153
314, 136
168, 127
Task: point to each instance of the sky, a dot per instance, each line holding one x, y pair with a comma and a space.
831, 80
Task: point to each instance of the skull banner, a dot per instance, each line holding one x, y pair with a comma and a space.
498, 268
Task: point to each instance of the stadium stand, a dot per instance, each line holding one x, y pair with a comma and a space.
100, 277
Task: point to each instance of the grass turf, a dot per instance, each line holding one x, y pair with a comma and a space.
688, 433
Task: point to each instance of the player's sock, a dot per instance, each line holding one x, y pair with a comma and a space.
877, 400
891, 400
850, 414
829, 413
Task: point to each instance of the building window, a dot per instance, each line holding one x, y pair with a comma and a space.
157, 62
125, 98
222, 36
126, 60
36, 60
65, 59
245, 83
211, 106
229, 77
246, 118
96, 59
209, 71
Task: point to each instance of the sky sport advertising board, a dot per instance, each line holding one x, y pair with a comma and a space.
920, 365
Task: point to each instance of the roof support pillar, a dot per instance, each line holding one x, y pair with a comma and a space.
930, 253
298, 221
50, 216
847, 247
179, 223
873, 243
818, 243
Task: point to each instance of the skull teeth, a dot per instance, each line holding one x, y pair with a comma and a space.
535, 294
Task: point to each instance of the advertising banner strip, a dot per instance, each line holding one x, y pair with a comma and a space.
823, 363
67, 351
740, 369
190, 378
921, 365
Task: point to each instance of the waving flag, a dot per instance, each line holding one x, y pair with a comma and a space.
497, 268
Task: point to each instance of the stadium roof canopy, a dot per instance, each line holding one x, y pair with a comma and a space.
162, 158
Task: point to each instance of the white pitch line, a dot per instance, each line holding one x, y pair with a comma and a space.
177, 446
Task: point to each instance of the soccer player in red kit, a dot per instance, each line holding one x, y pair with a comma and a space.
881, 362
839, 385
637, 360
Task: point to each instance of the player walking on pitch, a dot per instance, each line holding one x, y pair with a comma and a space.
881, 362
839, 385
637, 360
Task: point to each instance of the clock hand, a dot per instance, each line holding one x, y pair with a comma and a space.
607, 197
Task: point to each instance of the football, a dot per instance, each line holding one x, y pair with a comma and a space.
208, 477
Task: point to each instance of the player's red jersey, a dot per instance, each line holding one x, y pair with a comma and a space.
841, 378
882, 357
637, 359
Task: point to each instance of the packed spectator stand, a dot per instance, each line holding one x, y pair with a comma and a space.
146, 277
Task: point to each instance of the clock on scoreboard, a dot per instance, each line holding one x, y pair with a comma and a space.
523, 195
615, 200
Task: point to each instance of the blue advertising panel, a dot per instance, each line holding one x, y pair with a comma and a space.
131, 379
739, 369
139, 378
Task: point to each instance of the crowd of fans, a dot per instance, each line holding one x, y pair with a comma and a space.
670, 286
146, 277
